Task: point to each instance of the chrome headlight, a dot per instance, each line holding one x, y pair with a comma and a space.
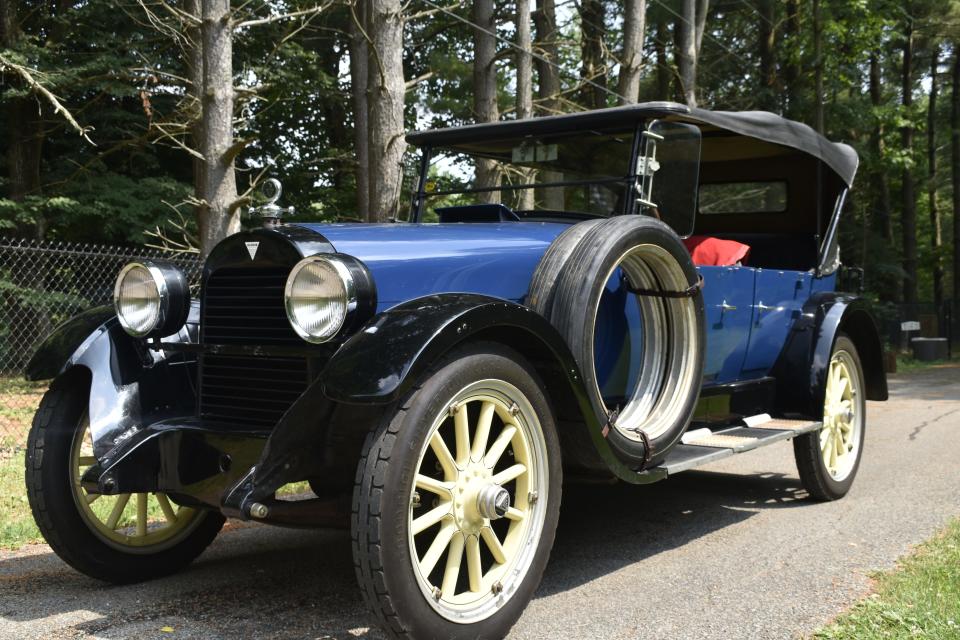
325, 293
151, 298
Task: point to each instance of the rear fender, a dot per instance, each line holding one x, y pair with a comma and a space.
801, 369
130, 384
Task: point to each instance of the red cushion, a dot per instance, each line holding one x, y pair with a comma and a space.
714, 252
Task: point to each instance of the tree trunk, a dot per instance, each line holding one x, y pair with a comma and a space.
881, 207
687, 52
908, 218
193, 57
23, 117
766, 43
663, 65
593, 68
702, 9
485, 107
548, 82
936, 237
818, 114
219, 215
386, 145
631, 59
955, 172
359, 58
791, 68
524, 62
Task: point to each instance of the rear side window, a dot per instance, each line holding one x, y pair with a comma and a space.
743, 197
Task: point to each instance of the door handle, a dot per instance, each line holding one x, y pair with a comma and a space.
762, 307
724, 307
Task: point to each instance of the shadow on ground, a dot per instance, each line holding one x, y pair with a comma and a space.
259, 581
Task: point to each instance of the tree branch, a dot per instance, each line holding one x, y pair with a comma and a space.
286, 16
24, 73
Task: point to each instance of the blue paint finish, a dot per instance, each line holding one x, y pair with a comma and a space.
618, 341
414, 260
824, 284
728, 330
779, 297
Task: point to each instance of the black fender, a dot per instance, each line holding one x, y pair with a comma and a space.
380, 363
130, 384
801, 369
322, 432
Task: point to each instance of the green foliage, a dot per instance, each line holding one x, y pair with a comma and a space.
920, 599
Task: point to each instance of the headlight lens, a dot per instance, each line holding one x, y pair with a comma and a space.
320, 292
151, 297
136, 298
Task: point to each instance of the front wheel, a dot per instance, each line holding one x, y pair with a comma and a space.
117, 538
457, 499
828, 460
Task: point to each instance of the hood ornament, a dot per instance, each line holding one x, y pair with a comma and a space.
270, 211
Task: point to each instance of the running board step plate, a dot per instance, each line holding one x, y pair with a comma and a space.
724, 443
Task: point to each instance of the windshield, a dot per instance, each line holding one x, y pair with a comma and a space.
583, 173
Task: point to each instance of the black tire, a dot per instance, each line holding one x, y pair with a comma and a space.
543, 284
569, 296
57, 514
381, 503
814, 475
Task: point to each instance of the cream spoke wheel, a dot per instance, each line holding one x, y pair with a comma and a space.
474, 519
135, 523
842, 423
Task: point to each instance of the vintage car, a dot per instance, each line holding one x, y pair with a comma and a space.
626, 293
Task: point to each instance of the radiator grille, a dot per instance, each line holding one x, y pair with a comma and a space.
252, 391
244, 306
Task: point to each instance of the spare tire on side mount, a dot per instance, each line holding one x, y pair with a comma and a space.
659, 313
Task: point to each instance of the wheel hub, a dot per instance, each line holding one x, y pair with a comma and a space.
472, 487
493, 502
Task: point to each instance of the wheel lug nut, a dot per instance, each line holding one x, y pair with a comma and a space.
436, 593
496, 588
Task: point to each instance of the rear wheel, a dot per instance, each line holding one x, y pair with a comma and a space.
457, 500
828, 460
117, 538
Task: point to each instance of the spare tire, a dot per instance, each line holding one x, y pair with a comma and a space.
660, 307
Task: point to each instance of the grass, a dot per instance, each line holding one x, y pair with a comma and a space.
919, 599
906, 363
18, 402
16, 522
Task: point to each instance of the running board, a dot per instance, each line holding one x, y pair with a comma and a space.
703, 446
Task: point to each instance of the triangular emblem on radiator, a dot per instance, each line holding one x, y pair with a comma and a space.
252, 249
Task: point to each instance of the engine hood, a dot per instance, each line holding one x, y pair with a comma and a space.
412, 260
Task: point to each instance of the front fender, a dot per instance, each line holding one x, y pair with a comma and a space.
801, 370
324, 429
130, 384
380, 363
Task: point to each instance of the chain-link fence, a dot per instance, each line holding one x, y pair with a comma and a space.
43, 284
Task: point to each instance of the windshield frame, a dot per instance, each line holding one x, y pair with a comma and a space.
630, 181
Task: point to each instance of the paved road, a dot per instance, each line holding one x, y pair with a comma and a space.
733, 552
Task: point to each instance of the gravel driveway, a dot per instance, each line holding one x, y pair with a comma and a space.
734, 551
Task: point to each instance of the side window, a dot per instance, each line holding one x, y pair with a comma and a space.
743, 197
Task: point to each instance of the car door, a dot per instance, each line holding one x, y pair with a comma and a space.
727, 297
778, 299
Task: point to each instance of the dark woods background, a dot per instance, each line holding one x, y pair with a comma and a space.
147, 122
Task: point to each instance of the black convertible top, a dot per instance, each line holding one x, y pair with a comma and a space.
761, 125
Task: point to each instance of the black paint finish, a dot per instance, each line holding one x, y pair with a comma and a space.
801, 369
